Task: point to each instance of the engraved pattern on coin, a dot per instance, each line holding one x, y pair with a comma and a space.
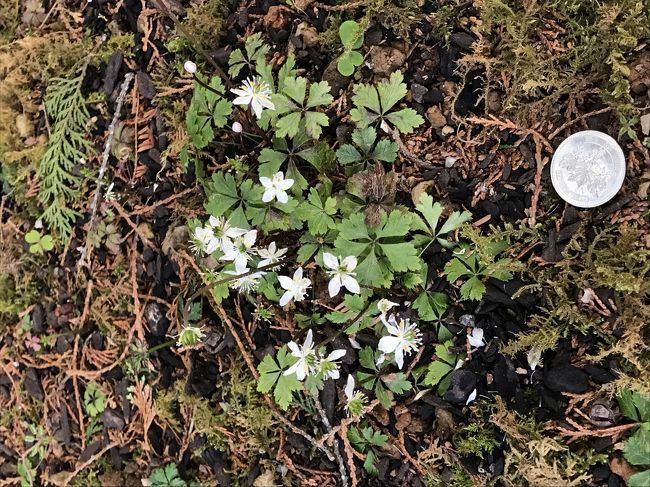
588, 169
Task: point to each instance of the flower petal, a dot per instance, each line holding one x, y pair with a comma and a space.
336, 354
334, 286
350, 284
388, 344
349, 387
286, 282
281, 196
268, 195
330, 260
286, 297
399, 357
266, 182
350, 263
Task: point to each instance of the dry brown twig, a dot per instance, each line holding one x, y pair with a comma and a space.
99, 181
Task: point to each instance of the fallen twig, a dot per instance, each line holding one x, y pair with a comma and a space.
335, 445
83, 257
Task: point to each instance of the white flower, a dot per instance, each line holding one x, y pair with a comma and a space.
355, 399
295, 287
190, 67
471, 397
239, 250
223, 232
276, 187
189, 336
404, 338
341, 274
270, 255
476, 338
237, 128
384, 305
533, 356
254, 92
247, 282
306, 356
328, 366
204, 241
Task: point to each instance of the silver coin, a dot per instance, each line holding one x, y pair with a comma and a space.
588, 169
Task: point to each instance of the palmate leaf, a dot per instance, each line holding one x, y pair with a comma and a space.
272, 377
295, 112
207, 110
380, 251
374, 103
255, 52
317, 212
641, 479
431, 212
364, 139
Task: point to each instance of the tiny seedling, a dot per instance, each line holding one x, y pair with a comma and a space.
365, 439
352, 39
467, 264
38, 244
166, 477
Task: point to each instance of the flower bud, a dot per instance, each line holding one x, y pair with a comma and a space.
237, 127
190, 67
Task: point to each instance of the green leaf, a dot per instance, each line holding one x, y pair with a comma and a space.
367, 358
430, 306
399, 384
319, 94
392, 91
436, 372
634, 406
473, 289
641, 479
166, 477
314, 123
288, 125
401, 256
455, 269
295, 89
32, 237
351, 35
222, 195
271, 376
347, 154
364, 138
369, 463
405, 120
384, 395
317, 213
637, 448
385, 150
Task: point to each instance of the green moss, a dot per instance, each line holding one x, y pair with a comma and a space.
203, 25
476, 439
559, 48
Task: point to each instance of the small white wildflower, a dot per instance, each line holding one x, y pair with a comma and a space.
533, 356
404, 338
295, 288
270, 255
328, 366
38, 224
203, 241
248, 282
355, 399
110, 194
384, 305
276, 188
223, 232
239, 250
189, 336
476, 338
471, 397
306, 356
190, 67
256, 93
341, 274
237, 128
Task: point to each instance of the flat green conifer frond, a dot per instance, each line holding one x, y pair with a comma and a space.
68, 144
